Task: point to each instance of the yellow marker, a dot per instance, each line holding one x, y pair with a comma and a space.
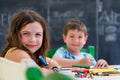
102, 70
107, 74
114, 74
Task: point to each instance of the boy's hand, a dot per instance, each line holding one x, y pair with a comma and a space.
85, 61
101, 63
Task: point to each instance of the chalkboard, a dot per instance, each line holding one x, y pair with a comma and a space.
109, 30
56, 12
62, 11
102, 18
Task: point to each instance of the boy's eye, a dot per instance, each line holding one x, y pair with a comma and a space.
71, 36
80, 36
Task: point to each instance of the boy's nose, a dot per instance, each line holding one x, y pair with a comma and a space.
76, 40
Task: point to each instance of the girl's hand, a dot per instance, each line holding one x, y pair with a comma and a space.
52, 63
101, 63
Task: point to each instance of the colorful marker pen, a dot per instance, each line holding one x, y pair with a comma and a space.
79, 66
43, 61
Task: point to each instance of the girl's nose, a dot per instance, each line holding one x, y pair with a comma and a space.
32, 39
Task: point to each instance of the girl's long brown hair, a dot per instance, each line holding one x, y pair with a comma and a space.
19, 20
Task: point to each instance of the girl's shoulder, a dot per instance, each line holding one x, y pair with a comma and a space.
9, 51
16, 54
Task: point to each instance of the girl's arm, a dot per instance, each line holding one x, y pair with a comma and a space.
51, 63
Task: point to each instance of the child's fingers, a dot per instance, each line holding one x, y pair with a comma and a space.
90, 61
101, 64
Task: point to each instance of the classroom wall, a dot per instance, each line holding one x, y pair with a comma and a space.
101, 17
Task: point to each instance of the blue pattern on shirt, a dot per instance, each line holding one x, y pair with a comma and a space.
64, 53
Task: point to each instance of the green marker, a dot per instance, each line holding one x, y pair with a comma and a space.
79, 66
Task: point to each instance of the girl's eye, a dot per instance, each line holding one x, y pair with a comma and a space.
38, 35
26, 34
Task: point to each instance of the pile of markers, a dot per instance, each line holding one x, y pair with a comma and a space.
108, 71
87, 72
81, 71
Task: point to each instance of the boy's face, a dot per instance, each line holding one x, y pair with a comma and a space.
75, 40
32, 36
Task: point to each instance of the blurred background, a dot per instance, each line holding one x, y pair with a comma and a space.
100, 16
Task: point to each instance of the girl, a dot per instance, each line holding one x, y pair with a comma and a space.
28, 39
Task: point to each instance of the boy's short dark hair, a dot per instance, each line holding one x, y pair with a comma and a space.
75, 24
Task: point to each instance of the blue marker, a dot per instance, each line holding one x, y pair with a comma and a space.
42, 60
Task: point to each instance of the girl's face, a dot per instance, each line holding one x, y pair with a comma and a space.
75, 40
32, 36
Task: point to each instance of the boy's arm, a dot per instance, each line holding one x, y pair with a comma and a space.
69, 62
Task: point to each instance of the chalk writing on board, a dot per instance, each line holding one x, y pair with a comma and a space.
4, 19
109, 25
69, 13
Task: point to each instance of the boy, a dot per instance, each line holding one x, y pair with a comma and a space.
75, 37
